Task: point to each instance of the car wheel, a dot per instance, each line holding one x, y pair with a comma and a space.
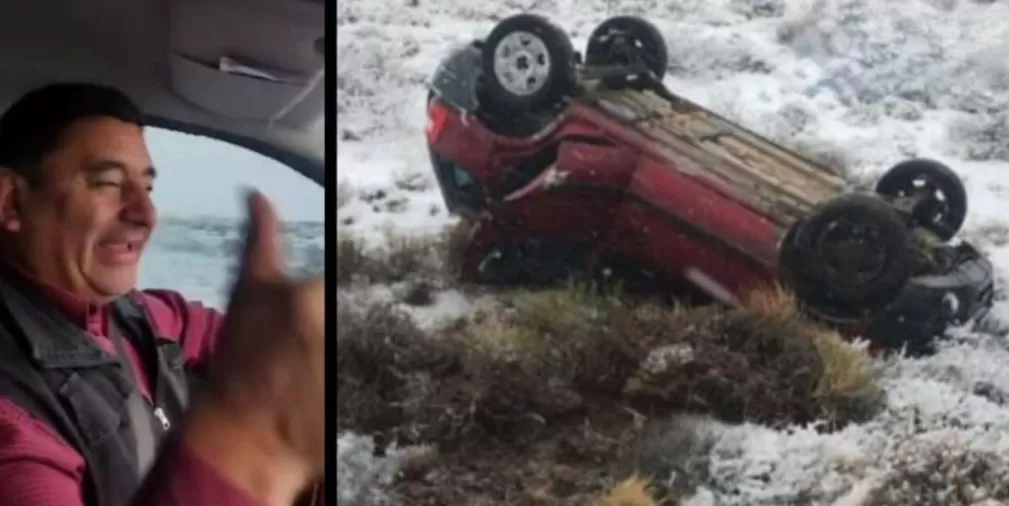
624, 40
528, 65
942, 198
850, 259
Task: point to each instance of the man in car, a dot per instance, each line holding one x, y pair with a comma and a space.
96, 376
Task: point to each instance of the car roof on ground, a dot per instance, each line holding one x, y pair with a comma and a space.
178, 60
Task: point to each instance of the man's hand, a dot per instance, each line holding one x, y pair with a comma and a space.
261, 420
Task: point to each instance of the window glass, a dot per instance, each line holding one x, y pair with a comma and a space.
199, 194
468, 186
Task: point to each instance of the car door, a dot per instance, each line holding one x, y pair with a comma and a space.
572, 197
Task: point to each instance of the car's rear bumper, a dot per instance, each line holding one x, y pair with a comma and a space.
930, 304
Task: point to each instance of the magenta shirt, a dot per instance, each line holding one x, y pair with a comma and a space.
39, 468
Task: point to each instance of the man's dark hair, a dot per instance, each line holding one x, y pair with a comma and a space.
33, 127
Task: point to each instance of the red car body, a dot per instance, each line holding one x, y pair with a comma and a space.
634, 175
625, 193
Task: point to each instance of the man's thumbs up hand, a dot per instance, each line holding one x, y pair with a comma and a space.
261, 420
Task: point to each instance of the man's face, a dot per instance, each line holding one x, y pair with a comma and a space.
84, 224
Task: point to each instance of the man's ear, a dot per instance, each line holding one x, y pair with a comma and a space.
10, 201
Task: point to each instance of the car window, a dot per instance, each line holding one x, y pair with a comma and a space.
199, 195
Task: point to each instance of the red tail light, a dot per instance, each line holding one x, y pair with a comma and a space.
437, 116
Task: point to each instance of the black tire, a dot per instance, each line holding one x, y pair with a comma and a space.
835, 283
943, 215
545, 46
623, 40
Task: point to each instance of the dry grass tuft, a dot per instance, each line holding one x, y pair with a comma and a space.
566, 310
402, 258
410, 256
775, 303
412, 181
847, 387
496, 338
418, 293
351, 258
377, 345
633, 491
452, 243
847, 368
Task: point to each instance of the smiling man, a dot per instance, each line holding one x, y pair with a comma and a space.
94, 374
75, 198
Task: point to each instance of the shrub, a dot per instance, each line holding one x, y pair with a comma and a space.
546, 397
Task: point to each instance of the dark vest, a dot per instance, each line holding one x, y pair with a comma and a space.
56, 371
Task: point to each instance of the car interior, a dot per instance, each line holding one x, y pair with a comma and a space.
247, 72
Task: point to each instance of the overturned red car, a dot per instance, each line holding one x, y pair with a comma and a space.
572, 165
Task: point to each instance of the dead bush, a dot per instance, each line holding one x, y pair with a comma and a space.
429, 261
418, 293
452, 244
676, 452
981, 136
399, 259
847, 383
563, 379
382, 359
412, 182
352, 261
944, 474
732, 364
405, 257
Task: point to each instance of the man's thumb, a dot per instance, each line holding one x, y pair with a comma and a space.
262, 256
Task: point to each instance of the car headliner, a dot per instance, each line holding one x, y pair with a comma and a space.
150, 48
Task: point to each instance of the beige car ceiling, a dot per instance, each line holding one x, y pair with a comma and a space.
249, 72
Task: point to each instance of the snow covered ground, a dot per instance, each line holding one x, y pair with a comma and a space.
876, 81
